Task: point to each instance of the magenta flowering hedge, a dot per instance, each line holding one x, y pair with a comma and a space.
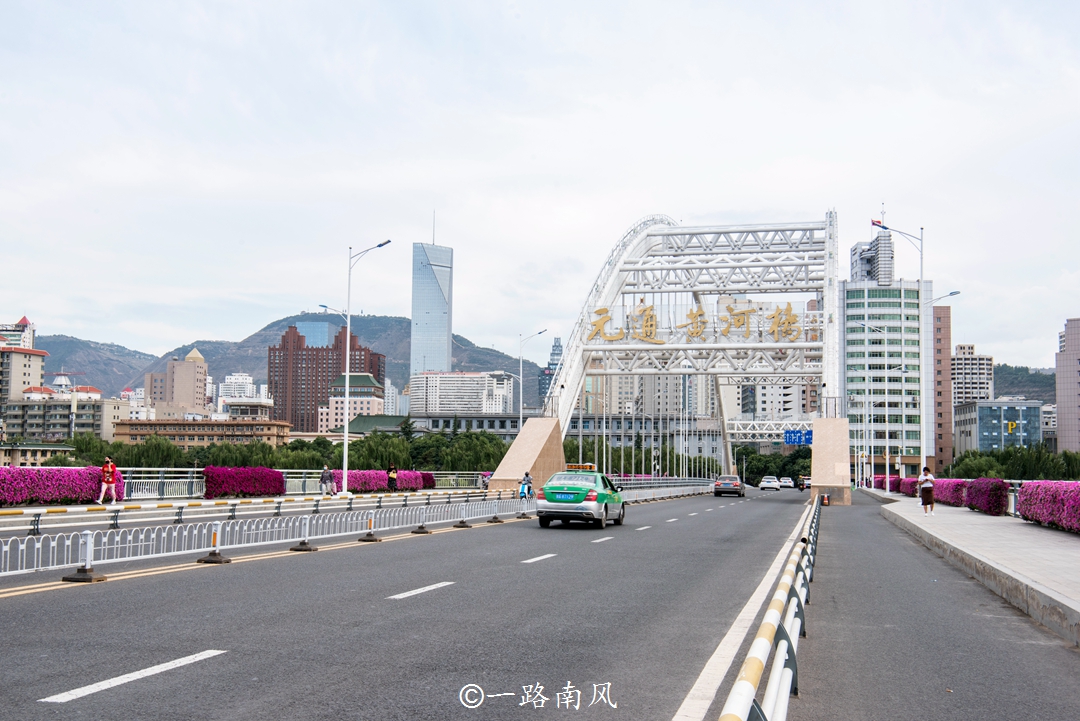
909, 486
950, 491
377, 481
879, 482
1051, 503
428, 479
33, 486
989, 495
242, 482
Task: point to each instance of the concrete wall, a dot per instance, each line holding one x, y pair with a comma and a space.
537, 449
831, 461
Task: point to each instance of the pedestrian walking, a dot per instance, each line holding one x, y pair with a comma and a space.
926, 491
326, 481
391, 478
108, 480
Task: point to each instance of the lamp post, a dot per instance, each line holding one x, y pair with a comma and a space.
521, 376
353, 259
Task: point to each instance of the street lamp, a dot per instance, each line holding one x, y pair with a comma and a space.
521, 378
353, 259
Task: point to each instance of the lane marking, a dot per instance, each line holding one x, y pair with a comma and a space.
414, 592
642, 528
541, 558
605, 538
703, 693
731, 504
128, 677
693, 514
707, 510
670, 520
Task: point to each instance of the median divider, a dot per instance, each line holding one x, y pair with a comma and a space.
784, 623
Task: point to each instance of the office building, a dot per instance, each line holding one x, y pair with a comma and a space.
992, 425
181, 389
17, 335
390, 398
300, 375
873, 260
317, 334
1049, 427
461, 393
190, 434
238, 388
944, 390
432, 309
548, 372
972, 375
42, 414
1068, 387
365, 398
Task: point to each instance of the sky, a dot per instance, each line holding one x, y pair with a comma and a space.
180, 171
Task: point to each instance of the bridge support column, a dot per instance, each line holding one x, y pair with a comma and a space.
538, 449
830, 467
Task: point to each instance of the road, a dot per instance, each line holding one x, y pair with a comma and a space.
317, 635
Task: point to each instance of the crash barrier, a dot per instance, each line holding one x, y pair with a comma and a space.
34, 520
645, 495
784, 623
89, 548
51, 551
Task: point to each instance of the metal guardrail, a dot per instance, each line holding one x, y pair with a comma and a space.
784, 623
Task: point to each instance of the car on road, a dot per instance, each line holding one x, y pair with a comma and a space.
728, 484
786, 482
769, 483
580, 496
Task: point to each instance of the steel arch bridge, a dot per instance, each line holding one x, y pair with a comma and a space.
713, 302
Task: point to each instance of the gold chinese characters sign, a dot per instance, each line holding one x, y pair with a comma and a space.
783, 324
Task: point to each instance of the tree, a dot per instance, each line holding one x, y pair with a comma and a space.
408, 430
426, 451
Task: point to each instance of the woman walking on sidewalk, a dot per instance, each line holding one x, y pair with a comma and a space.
926, 491
108, 480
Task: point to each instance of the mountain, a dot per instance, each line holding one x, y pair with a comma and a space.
389, 335
107, 366
1034, 384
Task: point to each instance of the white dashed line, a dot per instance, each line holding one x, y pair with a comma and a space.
605, 538
540, 558
731, 504
693, 514
127, 677
642, 528
416, 591
670, 520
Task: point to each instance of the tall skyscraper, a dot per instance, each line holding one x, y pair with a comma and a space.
873, 260
548, 372
944, 389
432, 309
1068, 387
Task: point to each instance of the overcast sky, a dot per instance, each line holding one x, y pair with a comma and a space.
180, 171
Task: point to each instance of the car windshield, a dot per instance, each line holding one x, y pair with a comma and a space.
571, 479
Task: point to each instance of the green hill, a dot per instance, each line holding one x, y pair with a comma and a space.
1022, 381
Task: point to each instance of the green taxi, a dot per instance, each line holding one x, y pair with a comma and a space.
580, 495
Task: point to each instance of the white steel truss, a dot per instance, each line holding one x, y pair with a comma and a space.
763, 431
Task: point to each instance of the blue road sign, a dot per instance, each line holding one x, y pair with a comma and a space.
798, 438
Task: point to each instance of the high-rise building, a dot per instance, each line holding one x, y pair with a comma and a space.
1068, 386
432, 309
462, 393
181, 389
390, 398
944, 390
20, 368
873, 260
300, 375
17, 335
548, 372
972, 375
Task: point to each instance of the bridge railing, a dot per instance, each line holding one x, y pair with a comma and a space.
784, 623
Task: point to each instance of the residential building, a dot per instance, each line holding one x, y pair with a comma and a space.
20, 368
461, 393
390, 398
548, 372
365, 398
888, 384
1049, 426
17, 335
972, 375
317, 334
240, 387
189, 434
181, 388
432, 309
300, 375
1068, 386
31, 454
992, 425
44, 414
944, 379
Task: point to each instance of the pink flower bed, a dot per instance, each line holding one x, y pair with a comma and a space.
377, 481
949, 491
894, 482
243, 482
909, 486
428, 479
1051, 503
34, 486
989, 495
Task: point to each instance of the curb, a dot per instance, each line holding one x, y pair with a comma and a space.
1046, 606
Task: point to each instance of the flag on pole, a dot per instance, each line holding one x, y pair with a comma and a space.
878, 223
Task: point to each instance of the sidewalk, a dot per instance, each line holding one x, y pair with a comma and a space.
1031, 567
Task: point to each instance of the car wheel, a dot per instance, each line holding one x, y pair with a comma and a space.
545, 522
566, 521
622, 516
601, 522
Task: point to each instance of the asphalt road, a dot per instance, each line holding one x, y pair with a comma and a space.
894, 632
316, 635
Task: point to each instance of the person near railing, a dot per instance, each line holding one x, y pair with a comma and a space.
391, 478
926, 491
326, 481
108, 480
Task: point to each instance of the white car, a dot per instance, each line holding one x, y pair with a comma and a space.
769, 483
786, 482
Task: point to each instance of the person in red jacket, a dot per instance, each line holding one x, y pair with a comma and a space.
108, 480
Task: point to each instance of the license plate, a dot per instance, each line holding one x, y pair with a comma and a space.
564, 496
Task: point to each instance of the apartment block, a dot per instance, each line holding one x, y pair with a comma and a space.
1068, 386
944, 390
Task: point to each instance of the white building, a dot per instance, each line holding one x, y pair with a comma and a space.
972, 375
240, 387
365, 398
390, 399
463, 393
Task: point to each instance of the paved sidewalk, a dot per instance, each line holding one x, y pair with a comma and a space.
1033, 567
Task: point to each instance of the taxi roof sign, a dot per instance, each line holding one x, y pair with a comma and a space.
581, 466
